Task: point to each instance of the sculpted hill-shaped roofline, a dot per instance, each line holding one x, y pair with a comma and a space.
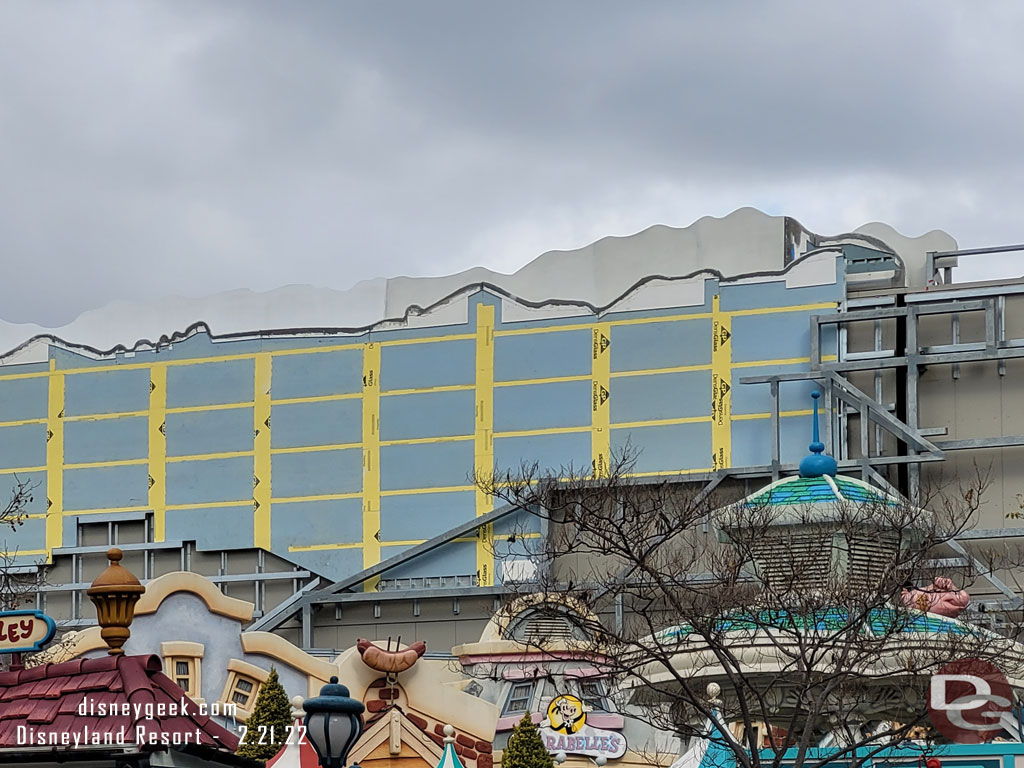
659, 266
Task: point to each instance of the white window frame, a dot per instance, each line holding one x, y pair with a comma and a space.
507, 709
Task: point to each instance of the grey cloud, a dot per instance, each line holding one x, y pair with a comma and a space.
190, 147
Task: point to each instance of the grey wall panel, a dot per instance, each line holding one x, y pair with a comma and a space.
105, 487
197, 482
661, 396
769, 293
212, 528
324, 373
749, 439
106, 392
551, 452
757, 398
542, 406
455, 559
425, 466
102, 440
667, 448
541, 355
311, 523
428, 414
36, 482
23, 399
661, 344
205, 432
22, 446
429, 364
331, 563
230, 381
317, 472
424, 515
334, 422
770, 337
31, 530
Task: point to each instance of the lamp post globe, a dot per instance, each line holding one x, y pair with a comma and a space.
333, 723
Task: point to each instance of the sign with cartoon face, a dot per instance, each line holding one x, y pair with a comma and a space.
25, 631
566, 714
566, 730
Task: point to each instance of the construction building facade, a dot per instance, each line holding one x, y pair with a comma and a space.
313, 452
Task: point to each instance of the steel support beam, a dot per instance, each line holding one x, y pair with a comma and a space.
283, 609
852, 396
990, 577
421, 549
1007, 441
334, 598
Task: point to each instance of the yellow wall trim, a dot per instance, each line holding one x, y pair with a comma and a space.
249, 670
261, 491
162, 587
371, 461
182, 648
600, 417
484, 439
721, 387
276, 647
54, 463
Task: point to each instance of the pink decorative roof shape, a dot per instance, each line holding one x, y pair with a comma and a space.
68, 697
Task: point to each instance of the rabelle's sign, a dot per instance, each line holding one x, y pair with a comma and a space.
566, 730
25, 631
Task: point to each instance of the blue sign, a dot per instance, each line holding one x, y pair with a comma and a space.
25, 631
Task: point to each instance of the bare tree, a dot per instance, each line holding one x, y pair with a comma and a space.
18, 586
15, 589
792, 612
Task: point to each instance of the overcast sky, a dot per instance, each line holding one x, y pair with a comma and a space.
152, 148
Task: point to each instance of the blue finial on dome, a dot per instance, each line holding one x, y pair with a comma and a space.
818, 463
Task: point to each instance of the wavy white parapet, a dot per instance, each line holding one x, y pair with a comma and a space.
658, 267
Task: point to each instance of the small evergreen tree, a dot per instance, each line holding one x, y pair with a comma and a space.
526, 748
267, 726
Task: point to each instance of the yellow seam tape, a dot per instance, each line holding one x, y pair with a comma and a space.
54, 463
483, 442
721, 386
371, 461
261, 480
158, 449
600, 417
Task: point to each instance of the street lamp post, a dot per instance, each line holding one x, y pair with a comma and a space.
333, 724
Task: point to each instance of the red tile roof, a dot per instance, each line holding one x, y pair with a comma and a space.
48, 699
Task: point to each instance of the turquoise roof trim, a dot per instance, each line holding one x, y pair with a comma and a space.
880, 622
448, 758
905, 754
799, 491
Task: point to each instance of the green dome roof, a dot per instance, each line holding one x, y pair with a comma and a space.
823, 490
